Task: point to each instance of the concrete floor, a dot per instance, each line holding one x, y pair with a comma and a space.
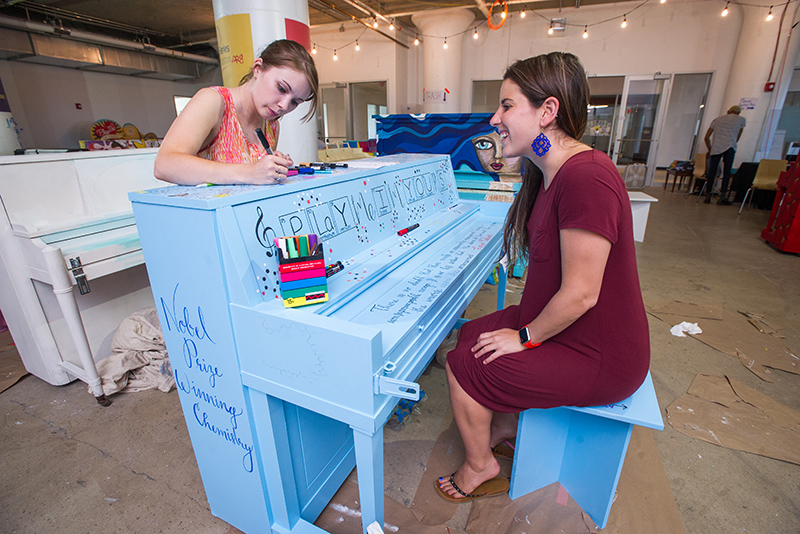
68, 465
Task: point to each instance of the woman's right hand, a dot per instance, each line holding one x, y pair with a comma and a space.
271, 169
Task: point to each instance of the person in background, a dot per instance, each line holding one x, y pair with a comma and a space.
721, 139
564, 344
213, 140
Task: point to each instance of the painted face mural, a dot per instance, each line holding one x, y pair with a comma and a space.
490, 154
470, 140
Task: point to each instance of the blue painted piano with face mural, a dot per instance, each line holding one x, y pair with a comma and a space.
281, 403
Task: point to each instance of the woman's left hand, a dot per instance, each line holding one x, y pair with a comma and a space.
496, 344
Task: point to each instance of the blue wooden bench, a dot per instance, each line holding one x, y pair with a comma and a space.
581, 448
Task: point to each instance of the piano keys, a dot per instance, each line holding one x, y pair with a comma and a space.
281, 403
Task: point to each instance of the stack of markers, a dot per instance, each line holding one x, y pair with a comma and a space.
301, 264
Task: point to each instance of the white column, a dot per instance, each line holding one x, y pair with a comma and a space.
749, 75
9, 133
768, 146
441, 71
269, 20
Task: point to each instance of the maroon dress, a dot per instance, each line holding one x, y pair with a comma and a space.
604, 355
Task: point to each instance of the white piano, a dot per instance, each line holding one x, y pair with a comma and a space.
71, 266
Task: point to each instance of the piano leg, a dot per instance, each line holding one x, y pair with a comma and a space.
502, 281
62, 287
369, 462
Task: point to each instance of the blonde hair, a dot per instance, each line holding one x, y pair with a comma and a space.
286, 53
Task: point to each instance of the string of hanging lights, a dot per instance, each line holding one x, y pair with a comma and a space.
498, 14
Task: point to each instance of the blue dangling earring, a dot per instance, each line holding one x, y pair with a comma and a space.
541, 145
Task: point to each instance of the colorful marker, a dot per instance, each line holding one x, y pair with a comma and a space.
333, 268
404, 231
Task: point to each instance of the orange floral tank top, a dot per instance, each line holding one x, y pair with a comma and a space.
230, 145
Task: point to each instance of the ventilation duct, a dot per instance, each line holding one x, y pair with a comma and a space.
167, 68
118, 61
14, 44
38, 43
62, 53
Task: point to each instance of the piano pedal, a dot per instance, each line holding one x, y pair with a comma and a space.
102, 400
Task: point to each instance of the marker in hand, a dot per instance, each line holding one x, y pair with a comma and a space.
265, 144
263, 139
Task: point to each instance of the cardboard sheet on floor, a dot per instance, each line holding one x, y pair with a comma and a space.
343, 515
687, 309
11, 367
644, 502
743, 335
644, 499
725, 412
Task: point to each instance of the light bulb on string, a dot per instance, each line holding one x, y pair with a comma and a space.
550, 30
522, 14
375, 23
769, 15
391, 25
586, 32
475, 34
624, 21
445, 43
335, 57
416, 40
725, 11
314, 49
503, 15
357, 46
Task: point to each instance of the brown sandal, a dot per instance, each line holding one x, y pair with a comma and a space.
490, 488
504, 449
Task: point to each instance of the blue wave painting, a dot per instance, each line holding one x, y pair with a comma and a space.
442, 133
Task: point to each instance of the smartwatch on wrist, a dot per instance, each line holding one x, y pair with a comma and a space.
525, 338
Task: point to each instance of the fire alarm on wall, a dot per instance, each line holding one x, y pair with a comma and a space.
769, 86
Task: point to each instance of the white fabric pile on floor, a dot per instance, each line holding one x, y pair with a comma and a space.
138, 358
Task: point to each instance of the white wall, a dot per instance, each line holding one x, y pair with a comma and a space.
680, 36
43, 98
677, 37
378, 60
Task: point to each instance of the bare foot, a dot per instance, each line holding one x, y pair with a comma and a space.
504, 426
468, 478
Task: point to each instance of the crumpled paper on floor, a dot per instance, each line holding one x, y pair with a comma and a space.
680, 330
725, 412
744, 335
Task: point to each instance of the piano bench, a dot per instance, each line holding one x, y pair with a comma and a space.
581, 448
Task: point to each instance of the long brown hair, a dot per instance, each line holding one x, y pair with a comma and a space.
286, 53
560, 75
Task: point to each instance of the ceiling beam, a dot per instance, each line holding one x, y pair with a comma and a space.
356, 19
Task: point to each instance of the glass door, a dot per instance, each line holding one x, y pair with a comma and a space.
333, 118
639, 123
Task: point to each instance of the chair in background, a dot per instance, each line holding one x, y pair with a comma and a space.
699, 171
743, 179
766, 179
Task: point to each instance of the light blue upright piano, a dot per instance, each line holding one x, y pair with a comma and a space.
281, 403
